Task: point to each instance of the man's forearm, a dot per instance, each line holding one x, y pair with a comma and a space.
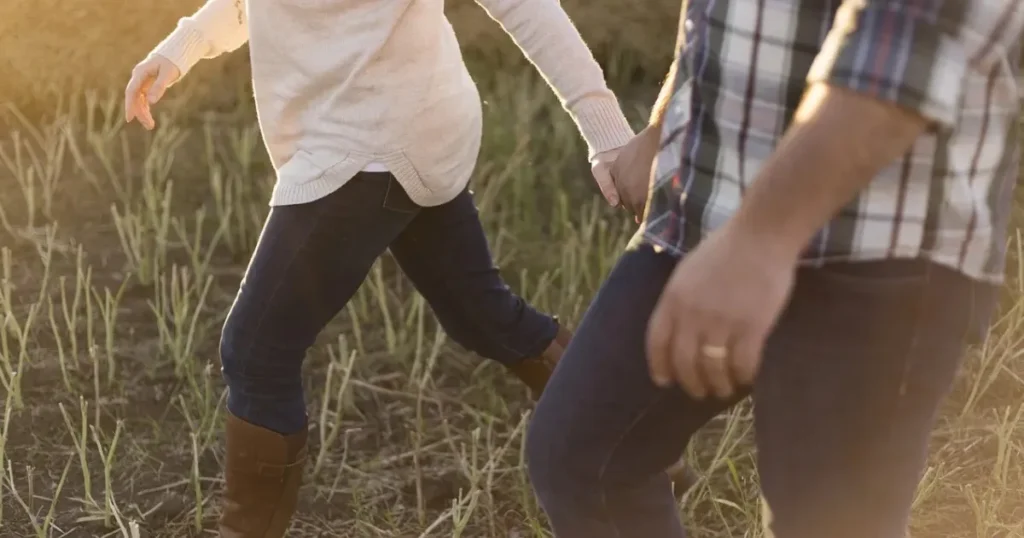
667, 87
838, 143
664, 96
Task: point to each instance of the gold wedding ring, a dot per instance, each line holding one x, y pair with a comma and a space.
715, 353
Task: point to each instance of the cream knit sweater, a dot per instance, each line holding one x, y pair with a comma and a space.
340, 84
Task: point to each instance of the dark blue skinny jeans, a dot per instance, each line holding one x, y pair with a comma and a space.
310, 260
844, 403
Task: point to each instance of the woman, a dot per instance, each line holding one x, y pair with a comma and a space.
373, 126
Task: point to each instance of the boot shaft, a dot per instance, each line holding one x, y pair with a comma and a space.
263, 473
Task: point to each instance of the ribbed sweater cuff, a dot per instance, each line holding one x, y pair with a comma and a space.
184, 47
602, 124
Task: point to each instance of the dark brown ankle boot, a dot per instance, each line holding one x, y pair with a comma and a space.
535, 372
263, 472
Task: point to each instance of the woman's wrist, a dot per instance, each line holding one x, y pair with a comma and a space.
602, 123
184, 47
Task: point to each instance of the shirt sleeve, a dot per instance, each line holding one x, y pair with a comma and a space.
913, 54
548, 38
218, 27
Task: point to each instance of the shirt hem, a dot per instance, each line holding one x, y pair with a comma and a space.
999, 278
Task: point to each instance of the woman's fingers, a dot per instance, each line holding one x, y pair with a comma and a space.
602, 175
150, 79
141, 79
145, 115
166, 76
131, 93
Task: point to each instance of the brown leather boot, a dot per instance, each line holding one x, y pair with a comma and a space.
535, 372
263, 473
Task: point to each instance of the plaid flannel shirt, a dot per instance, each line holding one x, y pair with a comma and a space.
742, 69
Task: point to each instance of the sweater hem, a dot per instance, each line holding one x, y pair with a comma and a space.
288, 192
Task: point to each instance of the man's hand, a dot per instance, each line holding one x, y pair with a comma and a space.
632, 170
601, 166
150, 79
723, 299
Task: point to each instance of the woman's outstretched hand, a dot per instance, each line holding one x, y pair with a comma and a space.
150, 79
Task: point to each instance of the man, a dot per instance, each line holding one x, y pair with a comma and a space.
825, 231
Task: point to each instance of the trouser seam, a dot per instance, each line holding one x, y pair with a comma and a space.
611, 454
475, 324
250, 342
915, 338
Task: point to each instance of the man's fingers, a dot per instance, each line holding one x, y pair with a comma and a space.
603, 177
684, 359
633, 191
659, 340
746, 356
713, 360
637, 208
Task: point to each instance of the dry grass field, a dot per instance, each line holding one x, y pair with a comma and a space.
56, 47
122, 249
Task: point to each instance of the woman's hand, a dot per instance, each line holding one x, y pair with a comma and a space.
601, 166
150, 79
